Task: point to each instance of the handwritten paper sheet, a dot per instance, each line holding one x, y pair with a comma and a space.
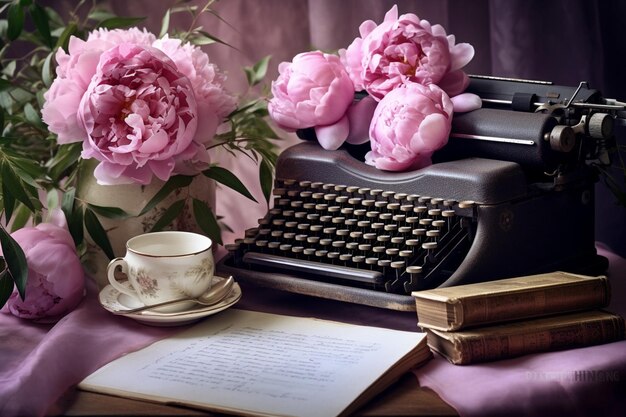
258, 363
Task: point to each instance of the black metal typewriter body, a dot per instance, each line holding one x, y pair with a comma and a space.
511, 194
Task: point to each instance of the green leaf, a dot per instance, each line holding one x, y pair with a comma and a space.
257, 72
52, 199
67, 203
66, 157
97, 233
16, 261
266, 176
6, 283
8, 200
5, 84
109, 212
175, 182
165, 24
206, 220
74, 215
46, 70
15, 17
64, 38
12, 183
100, 14
32, 115
224, 176
9, 69
205, 38
22, 215
27, 171
41, 20
120, 22
170, 214
200, 40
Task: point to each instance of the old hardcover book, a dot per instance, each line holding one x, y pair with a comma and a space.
513, 339
258, 364
454, 308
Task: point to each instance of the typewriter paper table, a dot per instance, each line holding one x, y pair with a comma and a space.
538, 384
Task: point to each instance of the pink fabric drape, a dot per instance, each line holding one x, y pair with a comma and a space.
39, 362
42, 362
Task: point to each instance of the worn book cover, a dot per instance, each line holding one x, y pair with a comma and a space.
513, 339
259, 364
463, 306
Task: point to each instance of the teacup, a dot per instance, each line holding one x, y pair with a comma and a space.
164, 266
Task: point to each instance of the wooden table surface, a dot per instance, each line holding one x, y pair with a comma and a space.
405, 398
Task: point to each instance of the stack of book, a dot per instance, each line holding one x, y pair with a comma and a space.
512, 317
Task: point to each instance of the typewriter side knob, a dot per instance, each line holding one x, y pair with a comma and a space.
600, 126
562, 138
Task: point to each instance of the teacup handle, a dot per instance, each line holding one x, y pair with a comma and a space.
115, 283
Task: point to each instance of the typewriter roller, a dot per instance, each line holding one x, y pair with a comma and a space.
344, 230
542, 126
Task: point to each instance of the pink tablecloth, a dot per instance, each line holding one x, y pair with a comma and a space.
39, 363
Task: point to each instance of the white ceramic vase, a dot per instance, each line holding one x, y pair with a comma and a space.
132, 198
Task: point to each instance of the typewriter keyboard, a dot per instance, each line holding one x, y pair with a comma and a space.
370, 238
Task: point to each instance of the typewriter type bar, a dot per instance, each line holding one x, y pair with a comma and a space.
343, 230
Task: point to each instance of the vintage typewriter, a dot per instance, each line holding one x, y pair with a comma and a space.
511, 194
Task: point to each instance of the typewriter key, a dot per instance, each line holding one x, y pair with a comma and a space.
371, 261
358, 259
439, 223
352, 246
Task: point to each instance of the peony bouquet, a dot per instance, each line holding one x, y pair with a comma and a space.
143, 107
411, 75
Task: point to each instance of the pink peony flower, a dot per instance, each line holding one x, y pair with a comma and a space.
139, 113
74, 73
405, 49
82, 68
314, 90
409, 124
55, 283
213, 101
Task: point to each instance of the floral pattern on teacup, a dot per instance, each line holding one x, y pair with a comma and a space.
148, 285
200, 271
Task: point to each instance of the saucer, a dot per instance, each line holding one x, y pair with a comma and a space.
112, 300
